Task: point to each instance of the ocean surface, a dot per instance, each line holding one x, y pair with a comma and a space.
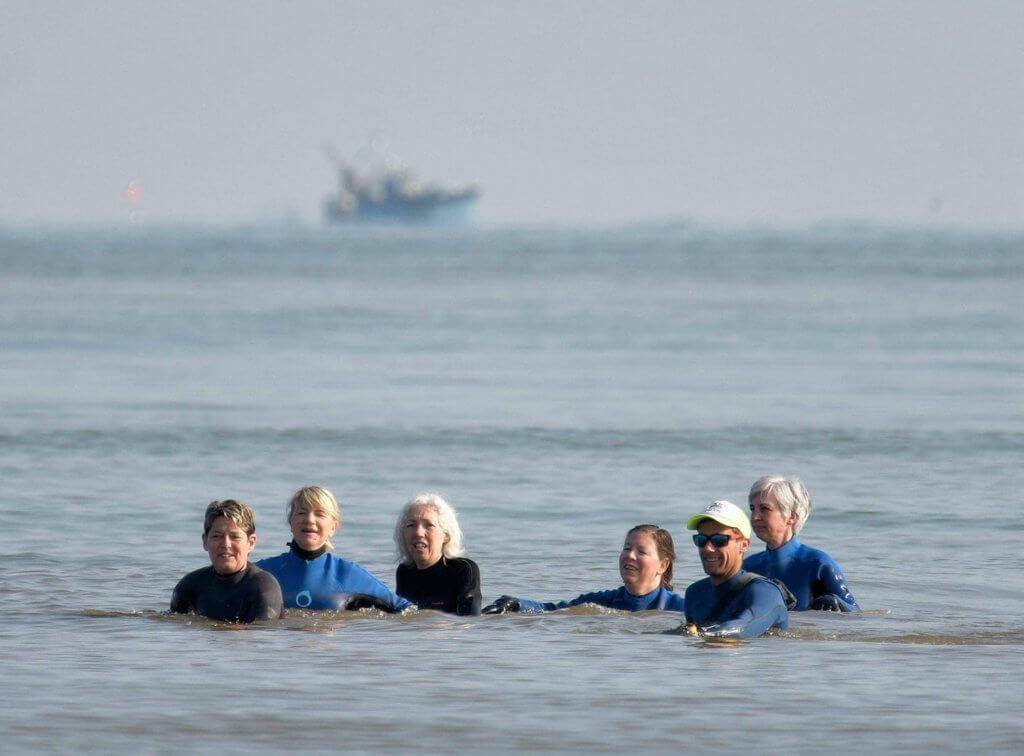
558, 386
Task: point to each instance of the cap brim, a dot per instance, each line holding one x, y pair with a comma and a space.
694, 522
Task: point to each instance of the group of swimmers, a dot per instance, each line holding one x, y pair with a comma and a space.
740, 597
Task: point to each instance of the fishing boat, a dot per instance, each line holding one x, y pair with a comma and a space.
382, 193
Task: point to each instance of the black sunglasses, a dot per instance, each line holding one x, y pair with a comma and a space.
718, 540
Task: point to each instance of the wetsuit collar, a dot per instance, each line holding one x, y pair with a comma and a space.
438, 565
791, 545
309, 556
234, 577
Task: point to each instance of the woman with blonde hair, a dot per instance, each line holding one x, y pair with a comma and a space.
311, 577
432, 573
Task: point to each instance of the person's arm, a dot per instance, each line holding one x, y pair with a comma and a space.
601, 598
182, 599
361, 581
268, 602
469, 599
668, 601
758, 608
829, 591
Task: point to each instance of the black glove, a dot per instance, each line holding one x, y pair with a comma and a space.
827, 603
501, 605
366, 601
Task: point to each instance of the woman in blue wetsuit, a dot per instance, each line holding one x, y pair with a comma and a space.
779, 507
645, 565
311, 577
432, 573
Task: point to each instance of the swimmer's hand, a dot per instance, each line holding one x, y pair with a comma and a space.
688, 628
502, 605
366, 601
827, 603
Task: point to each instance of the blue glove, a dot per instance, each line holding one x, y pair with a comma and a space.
502, 605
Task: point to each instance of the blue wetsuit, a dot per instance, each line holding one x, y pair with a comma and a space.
809, 573
734, 609
619, 598
320, 580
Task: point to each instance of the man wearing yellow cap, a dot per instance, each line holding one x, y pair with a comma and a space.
729, 602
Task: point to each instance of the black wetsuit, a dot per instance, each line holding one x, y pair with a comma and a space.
247, 595
451, 585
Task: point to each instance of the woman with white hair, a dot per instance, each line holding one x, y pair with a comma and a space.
432, 573
779, 507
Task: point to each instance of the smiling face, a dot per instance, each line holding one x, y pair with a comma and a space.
721, 562
312, 526
640, 565
769, 523
424, 538
228, 546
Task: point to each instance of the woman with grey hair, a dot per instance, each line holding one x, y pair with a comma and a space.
779, 507
432, 573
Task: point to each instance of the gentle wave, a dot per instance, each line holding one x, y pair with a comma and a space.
753, 438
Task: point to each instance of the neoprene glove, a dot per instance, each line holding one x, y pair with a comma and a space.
827, 603
502, 605
366, 601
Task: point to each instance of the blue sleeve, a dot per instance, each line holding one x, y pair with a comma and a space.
831, 583
602, 598
360, 580
758, 608
673, 602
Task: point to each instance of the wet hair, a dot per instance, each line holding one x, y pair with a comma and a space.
447, 519
788, 492
234, 510
315, 499
666, 549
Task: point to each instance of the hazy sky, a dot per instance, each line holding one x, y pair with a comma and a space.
561, 111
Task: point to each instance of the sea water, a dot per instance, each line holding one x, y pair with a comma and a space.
558, 386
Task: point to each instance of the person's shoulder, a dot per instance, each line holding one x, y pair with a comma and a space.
271, 562
755, 560
697, 586
341, 566
257, 572
196, 576
770, 588
607, 595
464, 565
811, 554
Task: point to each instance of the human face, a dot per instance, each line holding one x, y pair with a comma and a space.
769, 523
424, 537
640, 565
228, 546
311, 526
721, 563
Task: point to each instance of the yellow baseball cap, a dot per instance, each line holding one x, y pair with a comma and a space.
725, 513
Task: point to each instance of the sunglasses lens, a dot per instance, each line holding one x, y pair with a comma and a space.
718, 540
